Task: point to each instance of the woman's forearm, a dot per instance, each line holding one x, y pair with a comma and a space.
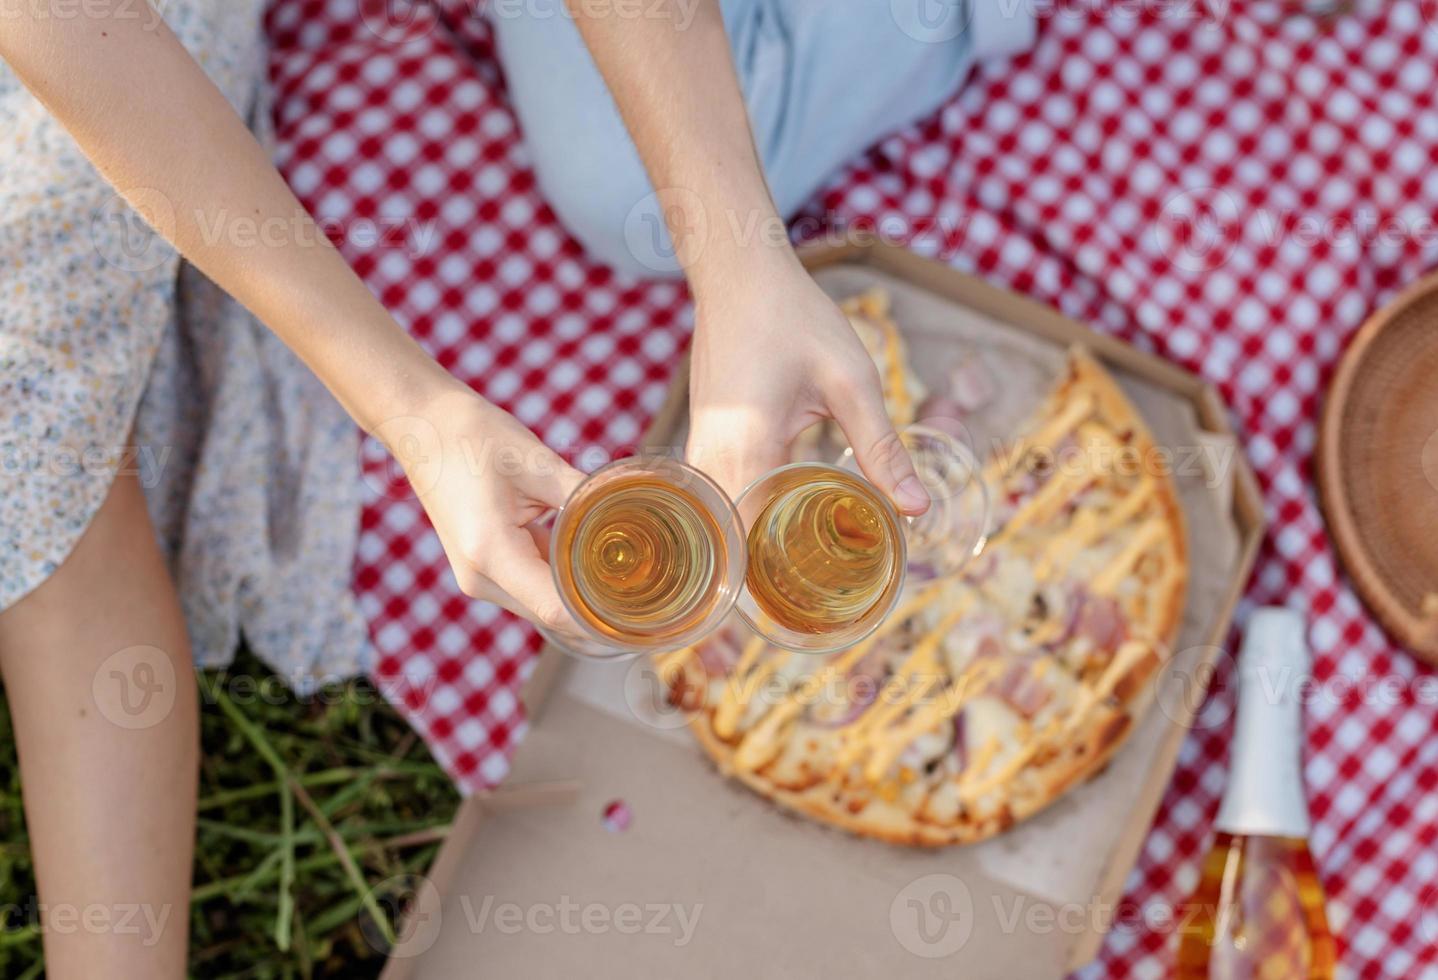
164, 136
676, 88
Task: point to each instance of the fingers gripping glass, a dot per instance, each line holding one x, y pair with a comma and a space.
648, 555
954, 530
829, 554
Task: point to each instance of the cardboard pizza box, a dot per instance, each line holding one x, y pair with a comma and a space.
710, 879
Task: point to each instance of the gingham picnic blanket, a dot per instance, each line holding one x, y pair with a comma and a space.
1232, 190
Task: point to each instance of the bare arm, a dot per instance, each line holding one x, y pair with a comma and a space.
164, 136
158, 130
772, 354
675, 86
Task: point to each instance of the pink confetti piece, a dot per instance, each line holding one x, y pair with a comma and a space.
617, 816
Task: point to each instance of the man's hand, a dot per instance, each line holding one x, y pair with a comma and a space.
485, 480
773, 356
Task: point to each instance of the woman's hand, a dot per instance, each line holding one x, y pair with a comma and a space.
772, 356
485, 479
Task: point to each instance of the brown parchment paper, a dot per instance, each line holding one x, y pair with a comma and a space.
773, 895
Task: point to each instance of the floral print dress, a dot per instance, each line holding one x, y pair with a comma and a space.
115, 354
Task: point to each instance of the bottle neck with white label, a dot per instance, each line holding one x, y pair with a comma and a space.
1265, 795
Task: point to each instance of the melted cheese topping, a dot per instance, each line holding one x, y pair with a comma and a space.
1090, 526
1149, 534
742, 682
900, 691
901, 406
1050, 433
760, 743
1040, 507
669, 664
885, 745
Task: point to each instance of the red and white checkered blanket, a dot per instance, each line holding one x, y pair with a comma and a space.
1233, 192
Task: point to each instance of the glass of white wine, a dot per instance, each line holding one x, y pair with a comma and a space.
829, 554
648, 555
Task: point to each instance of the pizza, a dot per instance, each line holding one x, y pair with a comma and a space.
985, 695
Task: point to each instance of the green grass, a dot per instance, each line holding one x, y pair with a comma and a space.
314, 814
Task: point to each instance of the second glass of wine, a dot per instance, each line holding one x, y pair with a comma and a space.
648, 556
829, 554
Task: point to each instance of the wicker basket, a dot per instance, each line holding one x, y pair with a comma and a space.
1378, 465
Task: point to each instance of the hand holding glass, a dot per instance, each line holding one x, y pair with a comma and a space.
648, 555
828, 553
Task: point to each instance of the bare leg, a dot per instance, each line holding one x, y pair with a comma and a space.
97, 669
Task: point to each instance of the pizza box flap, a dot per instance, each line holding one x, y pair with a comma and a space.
709, 879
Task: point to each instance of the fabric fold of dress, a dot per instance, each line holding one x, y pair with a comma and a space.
115, 355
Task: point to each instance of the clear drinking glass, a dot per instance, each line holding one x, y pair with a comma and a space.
648, 555
829, 554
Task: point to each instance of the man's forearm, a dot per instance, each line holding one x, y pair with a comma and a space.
154, 125
674, 82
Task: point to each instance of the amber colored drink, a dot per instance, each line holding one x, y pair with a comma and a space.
825, 551
1258, 912
642, 560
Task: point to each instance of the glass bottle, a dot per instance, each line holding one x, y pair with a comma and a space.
1258, 911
